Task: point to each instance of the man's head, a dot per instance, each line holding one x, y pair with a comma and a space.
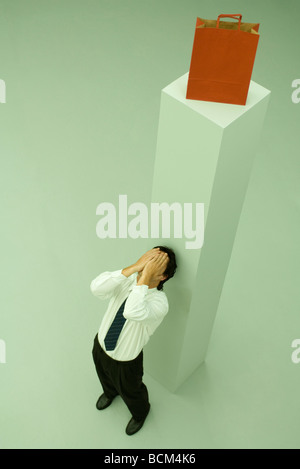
171, 266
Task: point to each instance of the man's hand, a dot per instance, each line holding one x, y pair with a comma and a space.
140, 263
154, 269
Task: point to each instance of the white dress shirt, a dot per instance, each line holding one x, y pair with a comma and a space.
144, 310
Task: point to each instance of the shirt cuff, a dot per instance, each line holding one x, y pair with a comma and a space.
140, 289
117, 273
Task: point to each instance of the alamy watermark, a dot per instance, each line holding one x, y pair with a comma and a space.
296, 94
163, 220
296, 353
2, 92
2, 351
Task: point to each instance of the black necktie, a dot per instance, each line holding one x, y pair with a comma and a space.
114, 331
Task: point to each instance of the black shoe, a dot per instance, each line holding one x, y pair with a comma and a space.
103, 402
135, 425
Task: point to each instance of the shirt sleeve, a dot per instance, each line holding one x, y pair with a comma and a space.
141, 306
105, 284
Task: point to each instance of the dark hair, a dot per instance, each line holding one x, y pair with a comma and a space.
171, 267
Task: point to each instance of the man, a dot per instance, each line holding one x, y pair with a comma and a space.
137, 306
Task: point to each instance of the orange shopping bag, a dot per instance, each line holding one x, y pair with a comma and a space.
222, 60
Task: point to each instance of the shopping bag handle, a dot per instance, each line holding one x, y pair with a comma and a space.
238, 16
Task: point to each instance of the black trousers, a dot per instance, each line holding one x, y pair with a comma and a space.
123, 378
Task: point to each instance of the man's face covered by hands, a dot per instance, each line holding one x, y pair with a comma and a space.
153, 264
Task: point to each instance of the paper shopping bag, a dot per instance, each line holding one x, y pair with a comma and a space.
222, 60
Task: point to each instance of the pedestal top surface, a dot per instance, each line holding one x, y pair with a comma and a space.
222, 114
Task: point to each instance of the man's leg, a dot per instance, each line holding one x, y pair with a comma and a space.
99, 360
132, 389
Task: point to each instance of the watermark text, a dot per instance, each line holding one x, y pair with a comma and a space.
2, 351
2, 92
162, 220
296, 94
296, 352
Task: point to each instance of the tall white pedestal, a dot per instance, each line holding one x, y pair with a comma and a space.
205, 153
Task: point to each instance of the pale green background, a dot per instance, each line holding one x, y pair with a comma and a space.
79, 128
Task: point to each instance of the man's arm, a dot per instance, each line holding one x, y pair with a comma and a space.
105, 284
143, 307
146, 308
